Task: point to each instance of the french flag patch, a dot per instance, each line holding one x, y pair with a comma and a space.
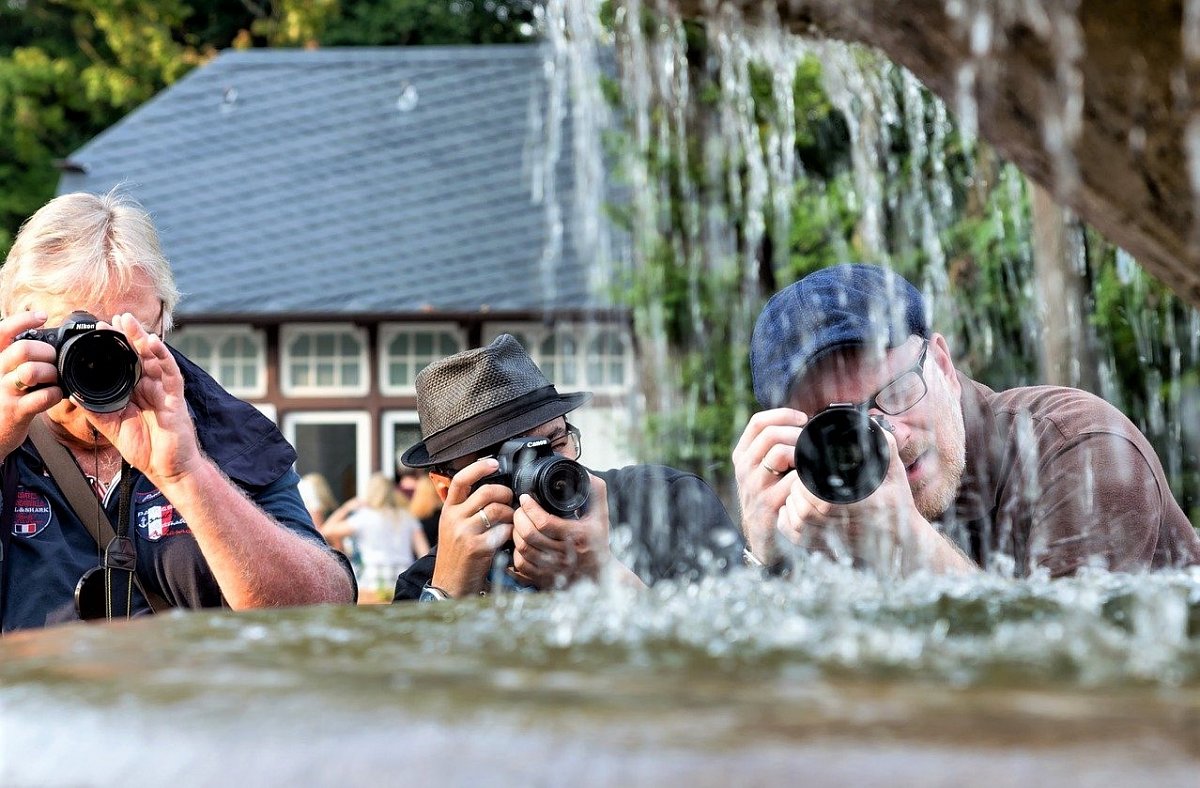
159, 521
32, 514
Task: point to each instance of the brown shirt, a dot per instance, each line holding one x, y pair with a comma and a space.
1058, 478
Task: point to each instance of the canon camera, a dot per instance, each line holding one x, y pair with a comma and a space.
97, 366
842, 455
529, 465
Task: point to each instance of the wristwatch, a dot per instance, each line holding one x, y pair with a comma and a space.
781, 567
431, 593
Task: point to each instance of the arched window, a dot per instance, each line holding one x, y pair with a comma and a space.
559, 358
324, 360
410, 351
234, 356
606, 360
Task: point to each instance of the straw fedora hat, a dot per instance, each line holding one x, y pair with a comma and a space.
478, 398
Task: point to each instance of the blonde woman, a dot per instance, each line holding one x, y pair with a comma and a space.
386, 537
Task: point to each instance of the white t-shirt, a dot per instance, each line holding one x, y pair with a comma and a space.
383, 540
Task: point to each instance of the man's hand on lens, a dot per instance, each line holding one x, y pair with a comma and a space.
154, 432
472, 528
24, 365
763, 463
884, 531
555, 552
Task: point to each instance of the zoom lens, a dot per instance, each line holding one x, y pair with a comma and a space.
100, 368
561, 486
842, 455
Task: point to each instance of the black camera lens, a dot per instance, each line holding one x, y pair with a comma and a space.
559, 485
842, 455
100, 368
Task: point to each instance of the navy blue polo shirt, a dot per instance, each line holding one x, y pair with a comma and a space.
50, 548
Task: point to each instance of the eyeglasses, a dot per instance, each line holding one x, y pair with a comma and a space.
568, 444
905, 390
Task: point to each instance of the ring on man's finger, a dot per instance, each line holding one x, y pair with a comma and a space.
19, 385
772, 471
486, 522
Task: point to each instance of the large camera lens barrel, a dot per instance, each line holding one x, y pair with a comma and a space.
100, 368
561, 486
842, 455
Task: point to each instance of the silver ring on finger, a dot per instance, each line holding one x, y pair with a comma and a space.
772, 471
487, 523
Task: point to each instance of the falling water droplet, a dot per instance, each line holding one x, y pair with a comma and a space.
407, 101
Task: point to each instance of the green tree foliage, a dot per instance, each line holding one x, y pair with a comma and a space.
408, 22
955, 220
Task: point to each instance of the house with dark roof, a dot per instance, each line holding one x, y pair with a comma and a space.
339, 218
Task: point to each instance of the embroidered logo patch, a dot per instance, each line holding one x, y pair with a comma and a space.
32, 513
150, 495
159, 521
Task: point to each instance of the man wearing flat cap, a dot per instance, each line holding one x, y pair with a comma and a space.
1039, 477
470, 404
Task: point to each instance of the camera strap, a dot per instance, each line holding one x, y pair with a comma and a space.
117, 550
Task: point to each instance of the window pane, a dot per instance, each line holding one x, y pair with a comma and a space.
300, 376
325, 373
350, 373
302, 346
424, 344
399, 345
325, 348
449, 345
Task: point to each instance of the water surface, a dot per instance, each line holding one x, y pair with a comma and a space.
836, 677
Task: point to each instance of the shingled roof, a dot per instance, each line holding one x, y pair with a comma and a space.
349, 181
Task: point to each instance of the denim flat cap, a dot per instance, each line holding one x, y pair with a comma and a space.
849, 305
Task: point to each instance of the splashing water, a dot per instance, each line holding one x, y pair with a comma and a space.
1084, 676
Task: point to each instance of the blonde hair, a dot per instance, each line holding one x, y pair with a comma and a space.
381, 493
425, 499
86, 246
320, 488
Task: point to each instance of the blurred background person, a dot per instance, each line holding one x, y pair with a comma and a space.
318, 498
386, 537
426, 505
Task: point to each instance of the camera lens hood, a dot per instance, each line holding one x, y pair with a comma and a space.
842, 455
100, 368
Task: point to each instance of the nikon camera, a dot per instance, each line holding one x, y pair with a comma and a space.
96, 365
842, 455
528, 465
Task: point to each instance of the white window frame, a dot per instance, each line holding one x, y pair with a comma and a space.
590, 335
268, 410
216, 334
584, 334
362, 435
389, 331
388, 459
290, 332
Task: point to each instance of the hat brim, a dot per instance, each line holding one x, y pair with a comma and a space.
418, 456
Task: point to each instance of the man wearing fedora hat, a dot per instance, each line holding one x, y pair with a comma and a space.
471, 403
1032, 478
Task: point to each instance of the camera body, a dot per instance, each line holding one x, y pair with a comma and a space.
842, 455
97, 366
529, 465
